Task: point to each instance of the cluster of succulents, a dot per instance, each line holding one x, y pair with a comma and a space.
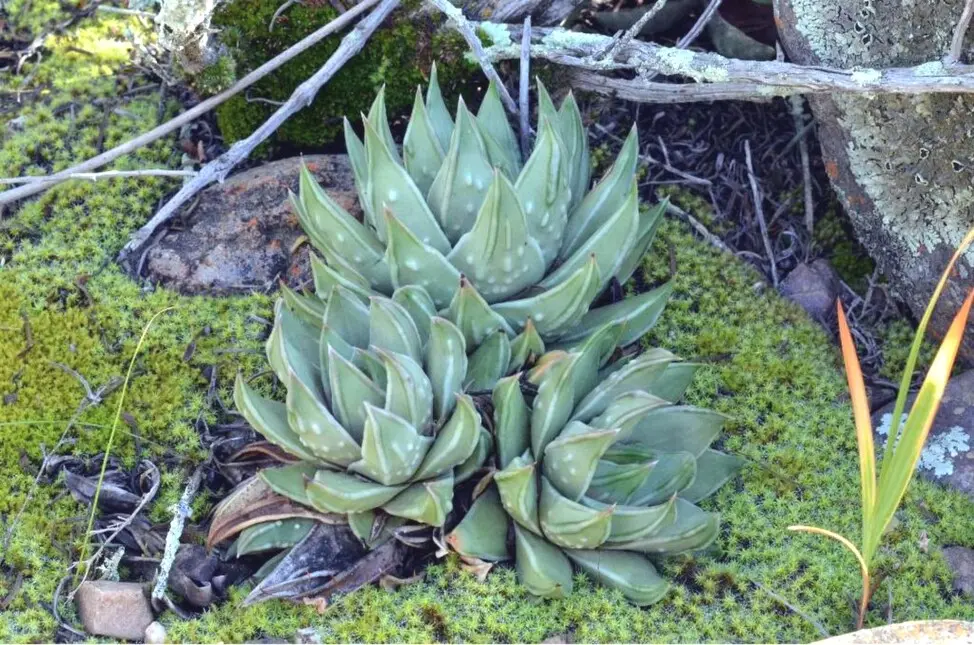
601, 471
474, 275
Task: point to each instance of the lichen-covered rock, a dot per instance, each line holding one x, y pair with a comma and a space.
918, 631
948, 456
902, 165
961, 561
398, 56
241, 233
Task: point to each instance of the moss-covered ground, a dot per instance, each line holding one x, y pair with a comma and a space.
774, 372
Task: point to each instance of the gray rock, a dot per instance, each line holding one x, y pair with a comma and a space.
240, 234
947, 457
919, 631
961, 561
114, 609
155, 634
814, 287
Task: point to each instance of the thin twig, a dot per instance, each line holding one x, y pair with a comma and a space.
816, 624
126, 12
277, 14
108, 174
339, 23
524, 110
759, 212
634, 30
798, 112
303, 95
698, 27
180, 511
461, 24
957, 41
698, 226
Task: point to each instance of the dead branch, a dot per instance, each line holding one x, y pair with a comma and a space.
960, 30
524, 82
339, 23
108, 174
715, 76
303, 95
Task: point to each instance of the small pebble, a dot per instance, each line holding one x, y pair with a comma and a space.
155, 633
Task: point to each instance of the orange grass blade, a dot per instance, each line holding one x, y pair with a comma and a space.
864, 426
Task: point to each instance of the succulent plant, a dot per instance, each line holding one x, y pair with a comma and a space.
601, 471
374, 414
498, 244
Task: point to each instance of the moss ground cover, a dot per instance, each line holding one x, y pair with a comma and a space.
768, 367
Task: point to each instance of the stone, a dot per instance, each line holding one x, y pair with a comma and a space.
947, 457
155, 634
814, 287
240, 235
919, 631
961, 561
900, 164
114, 609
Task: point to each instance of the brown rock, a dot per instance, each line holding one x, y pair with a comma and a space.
240, 234
919, 631
814, 287
961, 561
114, 609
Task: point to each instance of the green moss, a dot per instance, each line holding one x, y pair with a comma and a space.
765, 365
833, 236
350, 92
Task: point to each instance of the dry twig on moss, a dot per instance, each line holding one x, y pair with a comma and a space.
218, 169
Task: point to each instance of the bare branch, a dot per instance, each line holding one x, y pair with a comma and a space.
759, 212
108, 174
303, 95
339, 23
957, 42
525, 81
717, 76
634, 30
461, 24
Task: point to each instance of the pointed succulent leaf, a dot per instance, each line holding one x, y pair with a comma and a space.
272, 536
605, 199
626, 411
636, 522
362, 524
678, 428
639, 313
571, 459
541, 567
649, 222
291, 480
461, 183
421, 148
293, 345
269, 418
639, 374
417, 301
392, 189
546, 107
608, 244
525, 347
693, 530
714, 469
427, 502
476, 460
576, 147
392, 328
348, 317
559, 308
326, 278
436, 106
626, 452
336, 492
409, 393
592, 354
350, 390
488, 363
569, 524
518, 487
497, 254
379, 119
473, 316
498, 135
455, 442
446, 364
325, 220
553, 403
359, 162
413, 263
317, 429
308, 308
675, 380
392, 449
615, 483
543, 190
379, 275
671, 473
630, 573
511, 418
483, 531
